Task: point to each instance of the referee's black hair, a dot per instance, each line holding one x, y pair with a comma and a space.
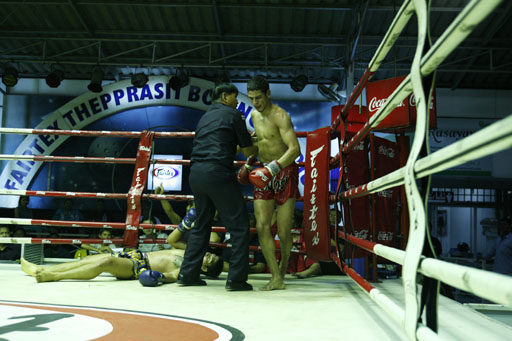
223, 87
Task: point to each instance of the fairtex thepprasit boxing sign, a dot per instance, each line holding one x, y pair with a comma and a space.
90, 107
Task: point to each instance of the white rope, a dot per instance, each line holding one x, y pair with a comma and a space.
489, 140
414, 200
489, 285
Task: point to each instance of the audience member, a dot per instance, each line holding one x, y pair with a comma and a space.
100, 248
68, 213
153, 235
502, 248
8, 251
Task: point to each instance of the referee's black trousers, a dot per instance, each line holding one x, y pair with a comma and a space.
215, 187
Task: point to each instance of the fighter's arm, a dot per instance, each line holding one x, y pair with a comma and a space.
166, 205
175, 241
248, 151
289, 137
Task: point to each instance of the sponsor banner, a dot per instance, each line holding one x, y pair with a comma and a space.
356, 173
316, 195
404, 115
90, 107
387, 159
453, 130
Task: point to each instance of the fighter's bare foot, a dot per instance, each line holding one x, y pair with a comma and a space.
302, 274
273, 285
45, 276
29, 268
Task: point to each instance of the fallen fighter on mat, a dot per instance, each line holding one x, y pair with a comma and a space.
150, 268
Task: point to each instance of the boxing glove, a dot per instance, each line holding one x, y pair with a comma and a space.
188, 222
243, 172
151, 278
260, 177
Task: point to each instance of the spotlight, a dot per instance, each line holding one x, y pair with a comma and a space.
299, 83
330, 92
10, 76
54, 78
179, 81
96, 79
139, 80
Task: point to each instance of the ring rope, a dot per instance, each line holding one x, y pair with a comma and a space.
399, 22
113, 133
116, 160
415, 204
458, 30
489, 140
471, 15
496, 288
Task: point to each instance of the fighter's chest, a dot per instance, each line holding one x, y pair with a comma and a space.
177, 260
265, 128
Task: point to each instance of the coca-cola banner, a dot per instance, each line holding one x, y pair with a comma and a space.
316, 195
355, 173
387, 159
404, 115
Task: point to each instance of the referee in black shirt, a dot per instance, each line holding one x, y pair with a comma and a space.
214, 185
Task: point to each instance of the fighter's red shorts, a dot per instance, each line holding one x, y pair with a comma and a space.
282, 187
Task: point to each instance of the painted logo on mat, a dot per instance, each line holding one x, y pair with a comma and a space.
34, 321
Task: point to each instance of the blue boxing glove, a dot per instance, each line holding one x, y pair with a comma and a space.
151, 278
188, 222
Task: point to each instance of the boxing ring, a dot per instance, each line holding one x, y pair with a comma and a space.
325, 308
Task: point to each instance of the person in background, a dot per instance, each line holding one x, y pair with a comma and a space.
502, 248
152, 234
100, 248
23, 211
68, 213
8, 251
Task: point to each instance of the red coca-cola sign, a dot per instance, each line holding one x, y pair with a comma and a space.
404, 115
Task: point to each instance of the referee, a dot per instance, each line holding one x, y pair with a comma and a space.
214, 185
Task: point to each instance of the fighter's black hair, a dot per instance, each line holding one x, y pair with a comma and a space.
258, 83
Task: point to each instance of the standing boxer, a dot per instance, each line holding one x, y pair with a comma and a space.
277, 182
213, 183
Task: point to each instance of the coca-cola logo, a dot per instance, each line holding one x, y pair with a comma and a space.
363, 234
386, 194
385, 236
389, 152
412, 101
377, 103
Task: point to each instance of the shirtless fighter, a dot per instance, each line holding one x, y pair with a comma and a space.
150, 268
277, 181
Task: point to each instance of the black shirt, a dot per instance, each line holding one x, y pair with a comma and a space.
11, 252
218, 133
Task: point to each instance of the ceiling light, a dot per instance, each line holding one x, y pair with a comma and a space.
96, 79
10, 76
54, 78
179, 81
299, 83
139, 80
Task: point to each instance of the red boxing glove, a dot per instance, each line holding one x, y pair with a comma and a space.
243, 172
260, 177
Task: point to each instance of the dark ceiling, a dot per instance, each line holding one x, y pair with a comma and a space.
240, 38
